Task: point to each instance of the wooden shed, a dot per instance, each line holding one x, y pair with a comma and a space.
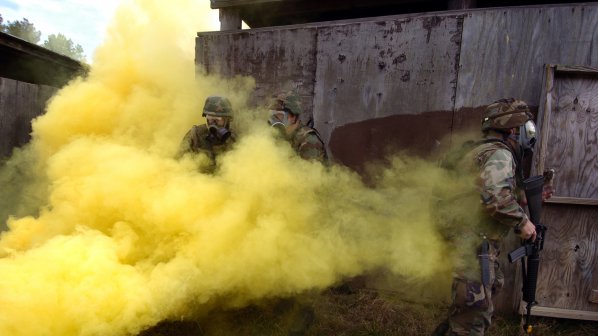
29, 76
428, 68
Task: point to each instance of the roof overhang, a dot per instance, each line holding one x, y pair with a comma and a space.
264, 13
28, 62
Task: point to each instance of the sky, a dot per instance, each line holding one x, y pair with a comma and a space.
83, 21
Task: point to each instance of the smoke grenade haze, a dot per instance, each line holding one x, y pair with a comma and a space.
109, 234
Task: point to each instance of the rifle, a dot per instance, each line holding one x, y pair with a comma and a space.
533, 187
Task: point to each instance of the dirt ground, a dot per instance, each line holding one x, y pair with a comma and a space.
342, 312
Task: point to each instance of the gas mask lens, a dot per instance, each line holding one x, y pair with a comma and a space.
215, 121
528, 135
278, 118
530, 129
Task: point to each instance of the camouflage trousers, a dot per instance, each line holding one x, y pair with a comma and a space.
471, 309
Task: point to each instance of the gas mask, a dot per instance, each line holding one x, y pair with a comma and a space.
221, 134
527, 136
217, 126
279, 120
526, 139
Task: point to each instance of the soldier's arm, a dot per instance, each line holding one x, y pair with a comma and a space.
497, 182
313, 149
194, 141
186, 144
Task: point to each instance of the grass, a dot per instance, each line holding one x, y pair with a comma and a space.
361, 312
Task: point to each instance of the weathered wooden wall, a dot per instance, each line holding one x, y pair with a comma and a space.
366, 71
567, 278
504, 51
20, 102
406, 70
570, 259
275, 58
408, 82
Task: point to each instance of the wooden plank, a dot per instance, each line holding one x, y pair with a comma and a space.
568, 114
215, 4
278, 59
577, 69
569, 259
8, 115
504, 51
560, 313
571, 144
20, 102
544, 112
377, 69
594, 296
572, 200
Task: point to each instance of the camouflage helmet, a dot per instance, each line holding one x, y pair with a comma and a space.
286, 100
217, 106
505, 114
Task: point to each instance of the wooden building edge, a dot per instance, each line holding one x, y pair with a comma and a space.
28, 62
29, 76
269, 13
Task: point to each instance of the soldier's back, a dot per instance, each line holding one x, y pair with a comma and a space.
306, 141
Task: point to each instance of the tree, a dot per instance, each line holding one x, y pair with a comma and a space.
63, 45
23, 29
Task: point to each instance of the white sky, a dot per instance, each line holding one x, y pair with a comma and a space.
83, 21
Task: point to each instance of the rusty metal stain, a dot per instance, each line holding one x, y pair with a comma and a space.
356, 144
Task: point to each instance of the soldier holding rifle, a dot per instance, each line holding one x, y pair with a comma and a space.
508, 134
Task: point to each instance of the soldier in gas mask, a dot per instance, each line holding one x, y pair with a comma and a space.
213, 137
495, 163
285, 115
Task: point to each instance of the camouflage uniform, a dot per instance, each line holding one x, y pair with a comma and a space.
307, 143
495, 164
305, 140
199, 139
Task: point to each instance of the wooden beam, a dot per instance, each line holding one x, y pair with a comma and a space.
545, 110
462, 4
572, 200
593, 296
230, 19
560, 313
216, 4
576, 69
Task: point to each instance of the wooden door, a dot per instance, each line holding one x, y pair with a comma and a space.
568, 122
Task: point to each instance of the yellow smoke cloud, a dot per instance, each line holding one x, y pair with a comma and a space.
120, 235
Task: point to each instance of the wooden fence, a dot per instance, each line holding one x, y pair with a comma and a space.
20, 102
